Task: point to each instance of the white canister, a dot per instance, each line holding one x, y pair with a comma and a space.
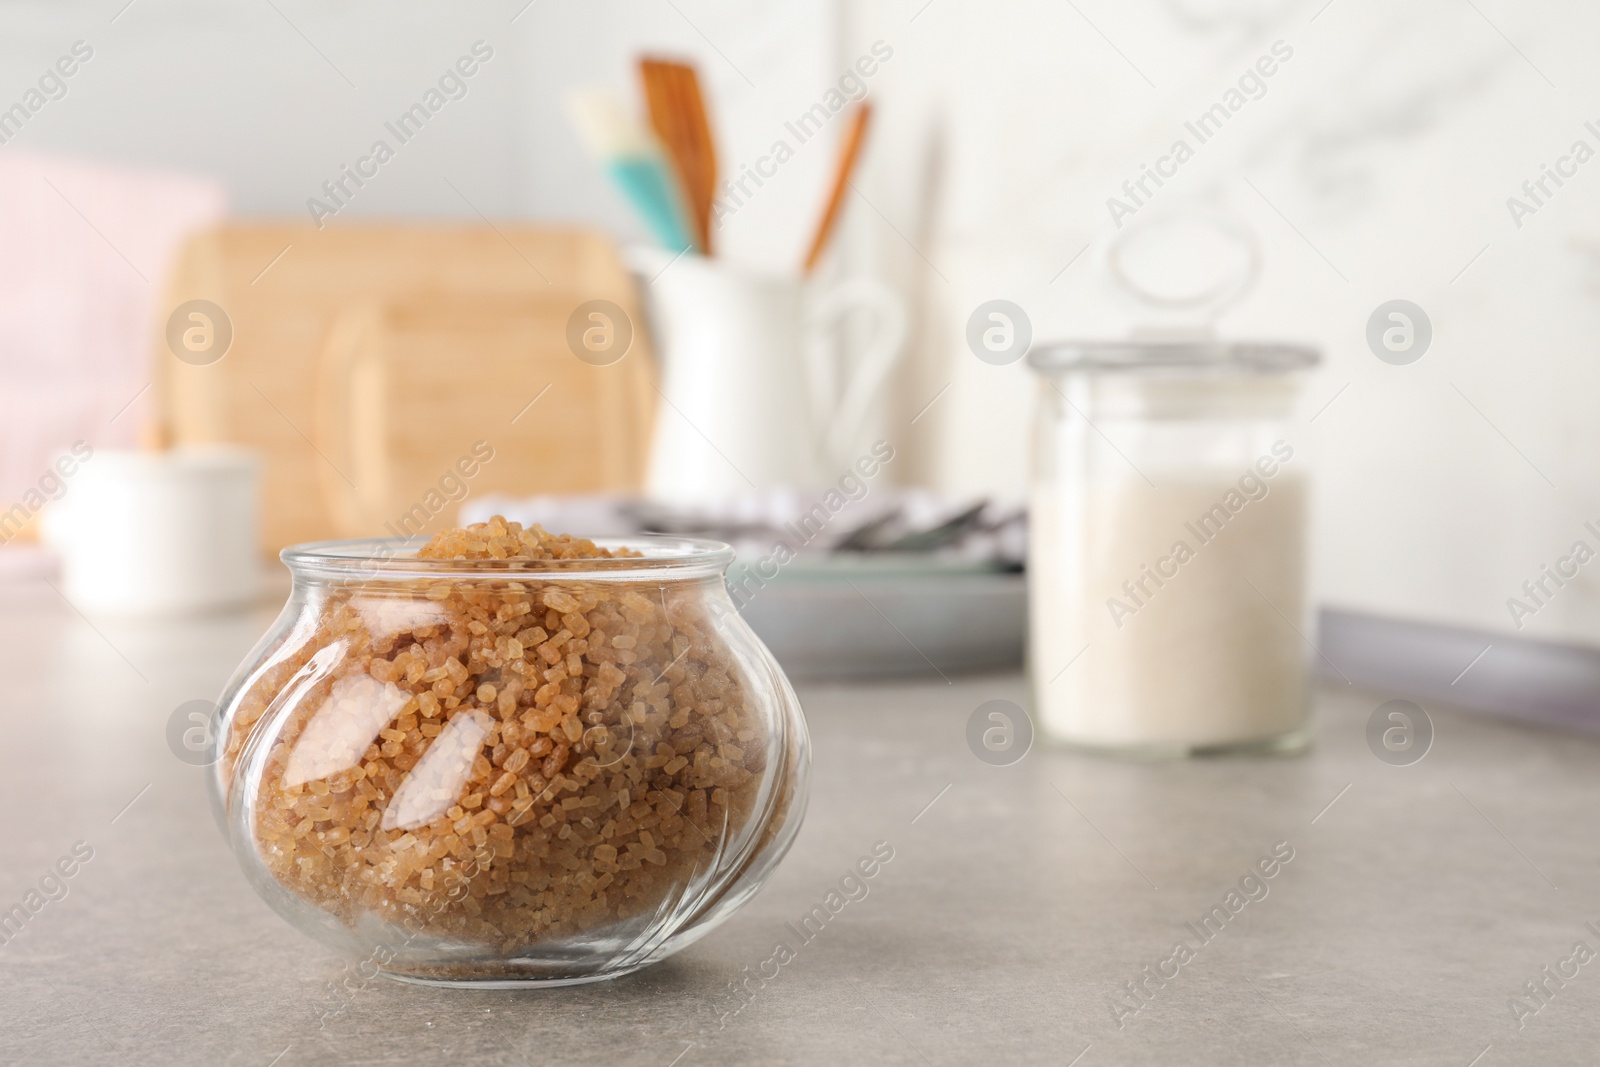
159, 533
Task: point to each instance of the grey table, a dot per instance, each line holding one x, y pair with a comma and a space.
1019, 902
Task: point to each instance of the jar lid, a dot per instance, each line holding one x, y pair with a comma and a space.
1206, 356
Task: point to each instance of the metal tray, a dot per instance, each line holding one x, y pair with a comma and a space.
882, 617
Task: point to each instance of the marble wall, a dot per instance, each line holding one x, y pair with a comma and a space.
1375, 163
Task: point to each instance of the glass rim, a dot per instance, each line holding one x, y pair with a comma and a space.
1152, 355
395, 557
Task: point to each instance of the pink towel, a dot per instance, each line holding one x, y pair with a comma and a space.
84, 253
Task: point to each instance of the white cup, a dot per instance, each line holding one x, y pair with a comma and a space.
159, 533
751, 394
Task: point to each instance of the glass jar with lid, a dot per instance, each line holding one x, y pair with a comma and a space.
1167, 557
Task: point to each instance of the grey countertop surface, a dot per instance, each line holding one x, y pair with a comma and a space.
1019, 901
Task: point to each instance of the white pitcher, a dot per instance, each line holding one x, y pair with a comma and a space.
750, 393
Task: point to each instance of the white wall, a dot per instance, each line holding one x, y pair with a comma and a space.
1390, 142
235, 89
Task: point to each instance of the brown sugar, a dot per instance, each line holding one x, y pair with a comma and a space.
505, 758
502, 539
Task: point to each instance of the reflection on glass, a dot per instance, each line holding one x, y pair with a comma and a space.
342, 728
385, 616
436, 781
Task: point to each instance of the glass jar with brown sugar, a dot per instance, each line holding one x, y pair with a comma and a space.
510, 757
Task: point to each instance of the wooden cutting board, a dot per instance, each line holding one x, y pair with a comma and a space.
374, 366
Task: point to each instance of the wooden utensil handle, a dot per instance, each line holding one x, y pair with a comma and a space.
841, 181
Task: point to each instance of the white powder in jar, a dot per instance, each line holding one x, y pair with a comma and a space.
1182, 647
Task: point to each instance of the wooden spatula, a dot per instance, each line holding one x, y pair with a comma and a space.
848, 155
678, 114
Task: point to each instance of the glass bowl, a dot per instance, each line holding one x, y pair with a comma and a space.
509, 772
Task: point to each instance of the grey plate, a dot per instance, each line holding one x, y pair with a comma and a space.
878, 617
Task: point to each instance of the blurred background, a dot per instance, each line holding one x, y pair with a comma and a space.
376, 330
